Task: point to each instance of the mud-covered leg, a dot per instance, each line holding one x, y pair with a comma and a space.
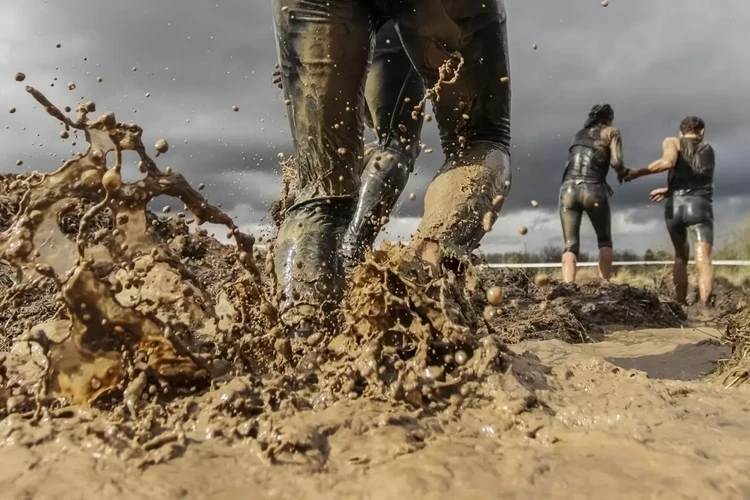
571, 214
393, 89
678, 234
473, 116
599, 213
324, 50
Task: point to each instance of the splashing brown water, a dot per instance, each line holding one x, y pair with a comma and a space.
153, 377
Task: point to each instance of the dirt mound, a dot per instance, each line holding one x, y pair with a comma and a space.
736, 369
545, 309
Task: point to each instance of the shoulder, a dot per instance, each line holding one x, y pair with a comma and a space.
671, 142
612, 131
611, 134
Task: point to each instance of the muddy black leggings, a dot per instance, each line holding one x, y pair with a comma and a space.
393, 89
593, 199
688, 213
324, 49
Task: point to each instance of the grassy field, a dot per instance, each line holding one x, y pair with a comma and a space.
655, 276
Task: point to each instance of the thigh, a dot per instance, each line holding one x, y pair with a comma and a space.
674, 219
394, 88
324, 50
699, 218
571, 212
476, 107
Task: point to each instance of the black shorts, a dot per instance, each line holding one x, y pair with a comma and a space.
593, 199
689, 213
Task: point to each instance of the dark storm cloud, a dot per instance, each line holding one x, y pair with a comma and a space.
654, 62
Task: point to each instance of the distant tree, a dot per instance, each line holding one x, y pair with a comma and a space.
626, 255
657, 255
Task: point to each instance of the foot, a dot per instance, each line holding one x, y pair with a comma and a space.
384, 178
308, 264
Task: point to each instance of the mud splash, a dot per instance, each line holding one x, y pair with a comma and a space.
97, 276
159, 369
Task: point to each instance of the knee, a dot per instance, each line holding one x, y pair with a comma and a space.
389, 168
607, 243
490, 157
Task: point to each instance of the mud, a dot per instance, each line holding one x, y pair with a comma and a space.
571, 312
146, 361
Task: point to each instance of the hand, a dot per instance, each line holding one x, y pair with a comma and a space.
658, 195
631, 176
622, 175
277, 76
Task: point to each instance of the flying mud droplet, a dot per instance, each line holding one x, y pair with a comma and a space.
487, 221
495, 295
99, 79
534, 203
541, 280
201, 186
505, 79
285, 8
58, 45
412, 196
235, 108
342, 151
148, 94
461, 358
427, 117
19, 163
523, 230
428, 150
135, 69
12, 110
64, 134
288, 102
162, 146
605, 3
19, 77
71, 86
111, 180
534, 46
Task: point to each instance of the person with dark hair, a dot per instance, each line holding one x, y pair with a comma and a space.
392, 90
689, 207
584, 188
324, 49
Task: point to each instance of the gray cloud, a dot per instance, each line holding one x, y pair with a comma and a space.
654, 61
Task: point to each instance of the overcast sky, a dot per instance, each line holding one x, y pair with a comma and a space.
654, 61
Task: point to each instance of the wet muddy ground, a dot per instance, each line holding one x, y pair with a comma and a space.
142, 360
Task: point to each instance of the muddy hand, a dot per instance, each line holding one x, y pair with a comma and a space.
623, 175
658, 195
277, 77
631, 176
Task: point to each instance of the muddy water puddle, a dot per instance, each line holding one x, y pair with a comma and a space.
605, 420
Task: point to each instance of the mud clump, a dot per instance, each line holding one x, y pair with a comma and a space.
735, 370
570, 312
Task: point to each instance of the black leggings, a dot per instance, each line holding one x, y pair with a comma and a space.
575, 199
684, 213
324, 50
